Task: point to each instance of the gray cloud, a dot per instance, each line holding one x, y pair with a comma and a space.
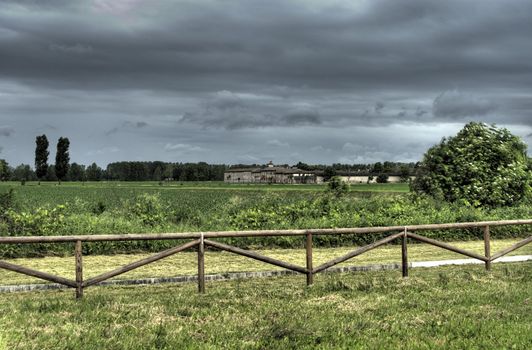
229, 110
194, 73
420, 112
6, 131
379, 106
182, 147
453, 105
277, 143
292, 44
77, 49
136, 124
301, 118
126, 125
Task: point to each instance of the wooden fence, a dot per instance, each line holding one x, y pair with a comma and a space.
203, 239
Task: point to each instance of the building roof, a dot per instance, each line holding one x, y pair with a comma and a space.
283, 170
270, 169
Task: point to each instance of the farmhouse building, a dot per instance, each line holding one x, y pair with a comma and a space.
289, 175
269, 174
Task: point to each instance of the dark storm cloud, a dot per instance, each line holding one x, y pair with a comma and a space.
164, 72
340, 45
454, 105
301, 118
229, 110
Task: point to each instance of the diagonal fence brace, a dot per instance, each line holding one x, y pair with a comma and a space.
39, 274
511, 248
447, 246
139, 263
357, 252
255, 256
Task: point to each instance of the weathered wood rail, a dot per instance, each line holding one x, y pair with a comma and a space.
200, 240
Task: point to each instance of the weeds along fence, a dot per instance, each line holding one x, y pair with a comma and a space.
200, 240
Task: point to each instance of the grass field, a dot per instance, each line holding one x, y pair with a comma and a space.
461, 307
373, 187
449, 308
32, 195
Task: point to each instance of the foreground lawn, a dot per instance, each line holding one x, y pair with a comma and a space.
461, 307
185, 263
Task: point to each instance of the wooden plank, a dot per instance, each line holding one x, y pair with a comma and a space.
261, 233
446, 246
404, 254
357, 252
137, 264
34, 273
511, 248
487, 250
201, 266
255, 256
308, 248
79, 270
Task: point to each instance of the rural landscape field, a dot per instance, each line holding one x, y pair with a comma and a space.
250, 174
372, 309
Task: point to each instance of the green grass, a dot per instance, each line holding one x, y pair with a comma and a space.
461, 307
185, 263
146, 207
33, 195
179, 185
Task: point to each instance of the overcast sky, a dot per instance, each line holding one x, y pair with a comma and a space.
251, 81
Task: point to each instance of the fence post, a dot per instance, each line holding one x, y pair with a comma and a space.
487, 251
79, 270
201, 265
308, 246
404, 254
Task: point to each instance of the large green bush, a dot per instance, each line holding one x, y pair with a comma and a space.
481, 166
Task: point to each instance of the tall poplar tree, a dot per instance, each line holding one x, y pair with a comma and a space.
62, 158
41, 157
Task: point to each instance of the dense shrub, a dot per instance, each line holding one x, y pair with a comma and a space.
6, 201
482, 166
382, 179
337, 186
39, 222
148, 208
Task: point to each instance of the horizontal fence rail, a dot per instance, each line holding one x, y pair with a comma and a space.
200, 240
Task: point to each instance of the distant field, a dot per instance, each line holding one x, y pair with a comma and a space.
374, 187
211, 193
460, 307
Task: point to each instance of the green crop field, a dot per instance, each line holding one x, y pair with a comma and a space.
50, 193
461, 307
145, 207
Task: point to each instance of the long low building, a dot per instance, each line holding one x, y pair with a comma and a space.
269, 174
287, 175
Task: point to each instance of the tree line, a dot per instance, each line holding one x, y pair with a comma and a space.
63, 170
